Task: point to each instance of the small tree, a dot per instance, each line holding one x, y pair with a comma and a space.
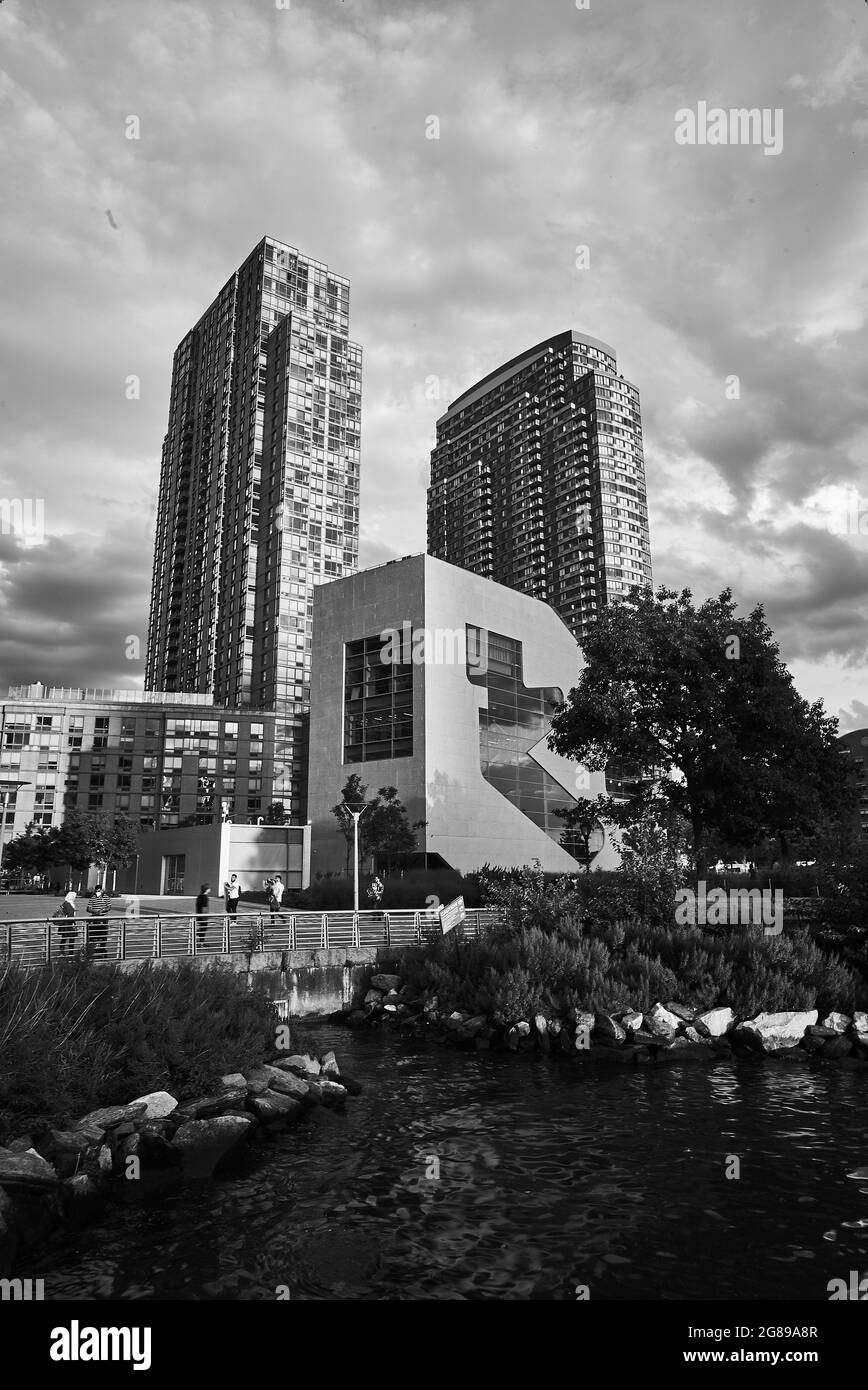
354, 793
276, 814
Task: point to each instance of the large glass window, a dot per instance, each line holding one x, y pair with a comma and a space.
378, 702
516, 719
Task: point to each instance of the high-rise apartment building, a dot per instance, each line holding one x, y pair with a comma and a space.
538, 479
259, 493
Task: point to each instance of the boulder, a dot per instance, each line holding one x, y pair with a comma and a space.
303, 1065
772, 1032
104, 1160
837, 1047
860, 1022
523, 1029
67, 1141
113, 1115
386, 982
209, 1106
820, 1031
159, 1104
692, 1034
714, 1022
839, 1023
373, 996
26, 1172
202, 1144
273, 1108
21, 1146
286, 1083
631, 1020
152, 1151
329, 1065
470, 1028
661, 1022
233, 1079
555, 1027
607, 1029
681, 1011
332, 1092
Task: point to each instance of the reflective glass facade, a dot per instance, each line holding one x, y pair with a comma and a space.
259, 493
378, 703
516, 719
538, 479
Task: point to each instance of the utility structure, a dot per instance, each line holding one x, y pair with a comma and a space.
356, 809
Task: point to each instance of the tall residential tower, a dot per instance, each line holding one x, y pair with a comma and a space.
538, 479
259, 493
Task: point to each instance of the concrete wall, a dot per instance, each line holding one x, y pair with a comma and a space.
212, 852
304, 984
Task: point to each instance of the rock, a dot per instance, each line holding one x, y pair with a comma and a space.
257, 1087
113, 1115
662, 1023
644, 1039
374, 996
22, 1145
273, 1108
839, 1023
470, 1028
692, 1034
329, 1065
631, 1020
512, 1039
85, 1199
390, 1008
202, 1144
151, 1150
303, 1065
286, 1083
607, 1029
540, 1023
332, 1092
555, 1027
209, 1106
29, 1170
714, 1022
104, 1159
683, 1050
386, 982
820, 1031
233, 1079
68, 1141
681, 1011
837, 1047
771, 1032
159, 1104
523, 1029
860, 1022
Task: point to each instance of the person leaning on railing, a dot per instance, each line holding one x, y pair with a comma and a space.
98, 908
66, 923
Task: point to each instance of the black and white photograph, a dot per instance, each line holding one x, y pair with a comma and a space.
433, 672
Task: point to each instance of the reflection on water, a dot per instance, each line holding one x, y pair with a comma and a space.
475, 1175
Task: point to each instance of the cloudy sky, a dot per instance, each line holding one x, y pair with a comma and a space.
556, 130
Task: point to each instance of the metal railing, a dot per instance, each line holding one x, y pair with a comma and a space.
37, 941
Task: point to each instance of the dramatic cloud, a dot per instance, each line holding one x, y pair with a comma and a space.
731, 282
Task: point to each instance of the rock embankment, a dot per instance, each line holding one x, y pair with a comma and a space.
55, 1179
662, 1034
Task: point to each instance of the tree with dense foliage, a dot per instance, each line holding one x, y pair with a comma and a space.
353, 793
385, 832
276, 814
700, 699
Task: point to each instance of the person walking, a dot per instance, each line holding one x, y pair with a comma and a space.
274, 889
231, 894
66, 923
203, 907
98, 909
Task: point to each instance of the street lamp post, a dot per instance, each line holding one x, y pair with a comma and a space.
356, 815
7, 789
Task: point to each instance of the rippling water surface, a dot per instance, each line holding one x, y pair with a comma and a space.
551, 1175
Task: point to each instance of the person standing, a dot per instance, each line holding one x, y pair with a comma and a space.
203, 907
98, 909
66, 923
231, 894
274, 889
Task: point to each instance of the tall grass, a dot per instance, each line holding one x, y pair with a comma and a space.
73, 1038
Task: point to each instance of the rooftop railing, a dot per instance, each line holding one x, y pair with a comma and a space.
39, 941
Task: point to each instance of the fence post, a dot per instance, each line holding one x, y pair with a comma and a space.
122, 939
292, 935
158, 945
191, 939
47, 940
387, 927
8, 940
225, 940
357, 933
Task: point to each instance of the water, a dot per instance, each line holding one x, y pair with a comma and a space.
551, 1176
